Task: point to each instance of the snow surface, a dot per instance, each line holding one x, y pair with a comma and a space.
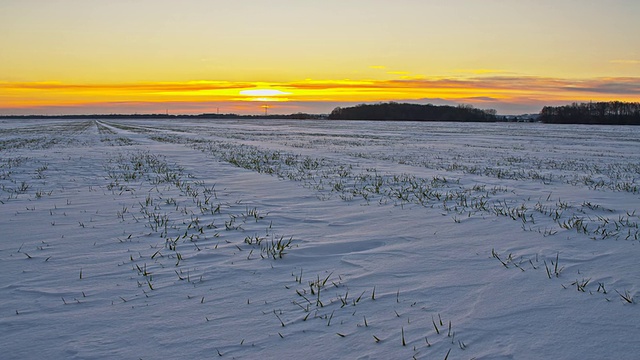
318, 239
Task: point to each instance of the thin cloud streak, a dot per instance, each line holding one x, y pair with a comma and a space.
160, 86
621, 86
618, 85
625, 61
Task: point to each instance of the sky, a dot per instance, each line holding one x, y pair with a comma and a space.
207, 56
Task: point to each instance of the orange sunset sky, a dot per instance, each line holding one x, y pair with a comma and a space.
199, 56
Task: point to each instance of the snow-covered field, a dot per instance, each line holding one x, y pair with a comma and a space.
167, 239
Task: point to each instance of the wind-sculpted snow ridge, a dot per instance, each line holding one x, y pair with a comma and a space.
284, 239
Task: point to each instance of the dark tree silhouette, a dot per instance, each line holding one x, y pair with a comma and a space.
413, 112
605, 113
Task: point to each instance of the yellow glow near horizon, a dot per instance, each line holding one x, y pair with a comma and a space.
201, 53
478, 91
263, 92
264, 95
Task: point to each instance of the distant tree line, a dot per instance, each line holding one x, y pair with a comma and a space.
606, 113
297, 116
413, 112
